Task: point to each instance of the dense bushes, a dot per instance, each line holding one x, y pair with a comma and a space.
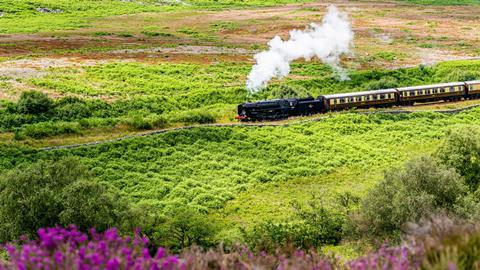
50, 193
37, 116
312, 227
446, 182
421, 188
207, 167
33, 102
47, 129
57, 248
461, 151
183, 227
438, 244
155, 96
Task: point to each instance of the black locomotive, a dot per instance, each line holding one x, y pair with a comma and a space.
277, 109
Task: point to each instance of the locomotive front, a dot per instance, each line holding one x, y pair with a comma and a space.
263, 110
242, 113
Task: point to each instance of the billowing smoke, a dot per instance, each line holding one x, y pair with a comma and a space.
327, 42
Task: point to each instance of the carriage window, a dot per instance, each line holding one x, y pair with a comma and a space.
442, 90
452, 89
382, 96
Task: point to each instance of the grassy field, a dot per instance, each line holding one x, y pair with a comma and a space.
25, 17
124, 97
250, 175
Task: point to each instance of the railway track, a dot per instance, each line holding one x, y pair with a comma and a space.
261, 124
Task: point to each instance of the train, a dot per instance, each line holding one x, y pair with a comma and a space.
278, 109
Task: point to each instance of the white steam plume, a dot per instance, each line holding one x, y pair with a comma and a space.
327, 41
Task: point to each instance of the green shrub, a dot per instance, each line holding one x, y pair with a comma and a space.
421, 188
71, 108
185, 226
48, 193
88, 204
33, 102
195, 117
10, 120
95, 122
461, 151
146, 122
462, 75
383, 83
47, 129
313, 226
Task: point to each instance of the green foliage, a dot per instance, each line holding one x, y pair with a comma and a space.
461, 151
48, 129
69, 108
89, 204
314, 226
33, 102
421, 188
151, 121
193, 117
207, 167
51, 193
183, 227
21, 16
192, 93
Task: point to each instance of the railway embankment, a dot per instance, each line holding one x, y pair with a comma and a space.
261, 124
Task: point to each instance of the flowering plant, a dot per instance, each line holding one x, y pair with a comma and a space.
67, 248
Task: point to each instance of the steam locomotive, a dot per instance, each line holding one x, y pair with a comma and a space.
278, 109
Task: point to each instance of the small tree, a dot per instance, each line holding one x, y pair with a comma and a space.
45, 194
186, 226
315, 225
422, 187
33, 102
88, 204
461, 151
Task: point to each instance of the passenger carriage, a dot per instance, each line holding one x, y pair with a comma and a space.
426, 93
366, 99
473, 89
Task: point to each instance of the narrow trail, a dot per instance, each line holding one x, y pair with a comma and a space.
268, 124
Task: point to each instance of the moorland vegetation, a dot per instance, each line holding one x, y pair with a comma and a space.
164, 95
252, 195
